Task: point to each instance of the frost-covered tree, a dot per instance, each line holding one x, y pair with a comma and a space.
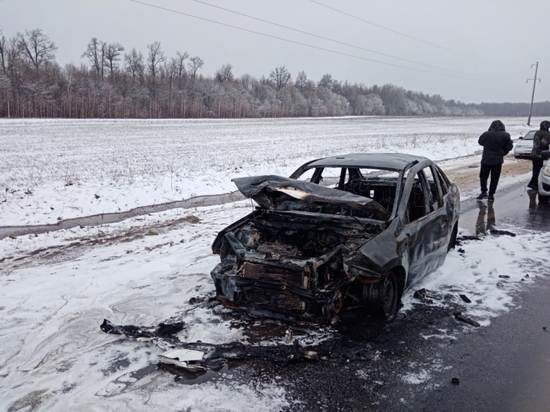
326, 81
246, 82
302, 81
370, 104
225, 73
174, 89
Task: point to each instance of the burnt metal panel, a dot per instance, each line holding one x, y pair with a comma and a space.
277, 192
261, 271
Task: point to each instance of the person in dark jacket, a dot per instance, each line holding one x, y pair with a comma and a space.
496, 144
540, 143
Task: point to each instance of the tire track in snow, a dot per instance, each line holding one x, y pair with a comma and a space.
115, 217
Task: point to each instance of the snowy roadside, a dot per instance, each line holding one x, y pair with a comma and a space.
56, 289
53, 355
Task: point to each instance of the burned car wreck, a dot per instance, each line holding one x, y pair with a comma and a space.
342, 232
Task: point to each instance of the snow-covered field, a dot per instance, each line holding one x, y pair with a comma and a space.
58, 169
56, 288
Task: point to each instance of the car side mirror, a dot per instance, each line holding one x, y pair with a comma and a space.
545, 154
520, 138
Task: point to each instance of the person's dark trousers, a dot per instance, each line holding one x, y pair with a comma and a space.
537, 165
494, 171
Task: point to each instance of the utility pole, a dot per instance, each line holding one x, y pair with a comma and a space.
533, 95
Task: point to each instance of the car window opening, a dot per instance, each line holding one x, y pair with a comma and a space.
378, 185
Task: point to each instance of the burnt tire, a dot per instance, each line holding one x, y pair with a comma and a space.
452, 239
382, 298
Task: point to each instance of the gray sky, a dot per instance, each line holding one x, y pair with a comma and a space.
493, 42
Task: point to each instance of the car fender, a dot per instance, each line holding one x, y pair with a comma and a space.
382, 253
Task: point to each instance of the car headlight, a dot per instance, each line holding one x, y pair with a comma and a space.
546, 171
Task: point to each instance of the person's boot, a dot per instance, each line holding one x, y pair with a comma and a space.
482, 195
491, 198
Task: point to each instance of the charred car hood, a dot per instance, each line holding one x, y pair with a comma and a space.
282, 193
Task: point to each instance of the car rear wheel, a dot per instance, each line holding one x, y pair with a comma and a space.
382, 298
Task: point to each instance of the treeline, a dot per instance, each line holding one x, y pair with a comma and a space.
541, 109
117, 83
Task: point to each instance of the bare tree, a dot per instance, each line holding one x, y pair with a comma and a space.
180, 63
5, 93
3, 53
155, 58
95, 52
112, 56
225, 74
280, 76
13, 57
134, 64
195, 63
36, 47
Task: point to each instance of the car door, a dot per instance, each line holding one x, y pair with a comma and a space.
426, 225
441, 216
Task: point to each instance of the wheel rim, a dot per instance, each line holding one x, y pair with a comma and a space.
382, 297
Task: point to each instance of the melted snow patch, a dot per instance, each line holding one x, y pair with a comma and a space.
416, 378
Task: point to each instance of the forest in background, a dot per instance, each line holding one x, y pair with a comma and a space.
131, 84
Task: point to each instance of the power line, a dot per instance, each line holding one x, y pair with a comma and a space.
329, 39
291, 41
395, 31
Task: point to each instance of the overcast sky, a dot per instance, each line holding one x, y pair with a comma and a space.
479, 50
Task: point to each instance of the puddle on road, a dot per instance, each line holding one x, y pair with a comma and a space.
515, 206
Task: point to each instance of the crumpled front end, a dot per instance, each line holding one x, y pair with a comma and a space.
288, 258
286, 266
287, 286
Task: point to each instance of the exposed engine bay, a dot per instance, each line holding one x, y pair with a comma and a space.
290, 260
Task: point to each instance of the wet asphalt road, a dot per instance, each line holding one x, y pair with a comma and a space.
502, 367
506, 366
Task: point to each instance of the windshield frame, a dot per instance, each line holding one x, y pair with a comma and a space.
346, 172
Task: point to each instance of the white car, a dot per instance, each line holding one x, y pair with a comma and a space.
524, 145
544, 179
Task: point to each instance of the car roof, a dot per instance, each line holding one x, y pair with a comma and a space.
388, 161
